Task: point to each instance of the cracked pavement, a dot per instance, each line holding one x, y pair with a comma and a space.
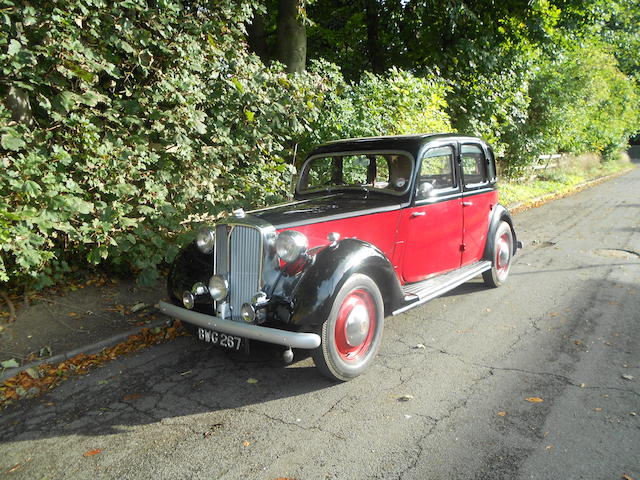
564, 328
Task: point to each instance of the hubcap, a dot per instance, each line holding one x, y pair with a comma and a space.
503, 256
355, 325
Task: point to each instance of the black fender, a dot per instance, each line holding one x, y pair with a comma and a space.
497, 215
189, 266
313, 295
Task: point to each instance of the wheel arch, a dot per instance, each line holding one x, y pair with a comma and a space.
313, 295
497, 215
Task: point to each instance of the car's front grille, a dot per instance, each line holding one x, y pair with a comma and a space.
239, 256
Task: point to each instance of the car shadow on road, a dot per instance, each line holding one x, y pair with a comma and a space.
179, 379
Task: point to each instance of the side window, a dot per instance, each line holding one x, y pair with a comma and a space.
474, 166
436, 171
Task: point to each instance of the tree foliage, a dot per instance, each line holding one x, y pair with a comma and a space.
152, 117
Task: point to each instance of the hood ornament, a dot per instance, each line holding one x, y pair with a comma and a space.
239, 213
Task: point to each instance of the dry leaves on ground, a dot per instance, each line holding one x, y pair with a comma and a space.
47, 376
534, 400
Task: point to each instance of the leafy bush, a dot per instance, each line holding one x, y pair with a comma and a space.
149, 119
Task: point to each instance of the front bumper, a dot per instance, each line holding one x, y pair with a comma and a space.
246, 330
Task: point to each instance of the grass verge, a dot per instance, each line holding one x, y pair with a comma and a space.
520, 195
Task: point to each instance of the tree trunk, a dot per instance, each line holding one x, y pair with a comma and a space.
17, 101
374, 49
292, 36
257, 38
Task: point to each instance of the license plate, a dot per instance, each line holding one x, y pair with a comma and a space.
221, 339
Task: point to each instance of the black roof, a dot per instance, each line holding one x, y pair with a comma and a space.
408, 143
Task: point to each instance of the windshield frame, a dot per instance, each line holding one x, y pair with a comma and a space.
355, 188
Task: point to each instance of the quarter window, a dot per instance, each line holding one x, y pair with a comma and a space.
473, 166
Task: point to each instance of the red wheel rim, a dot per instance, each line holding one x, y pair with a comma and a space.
503, 255
353, 336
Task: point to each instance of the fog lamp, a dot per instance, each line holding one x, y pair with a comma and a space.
218, 287
188, 300
247, 312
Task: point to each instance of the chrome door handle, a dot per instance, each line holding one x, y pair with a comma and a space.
418, 214
467, 204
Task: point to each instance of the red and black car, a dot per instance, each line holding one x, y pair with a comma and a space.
378, 226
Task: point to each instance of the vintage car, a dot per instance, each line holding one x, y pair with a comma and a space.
377, 226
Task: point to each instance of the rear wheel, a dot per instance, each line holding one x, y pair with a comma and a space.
352, 333
502, 255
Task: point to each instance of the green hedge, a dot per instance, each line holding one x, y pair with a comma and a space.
151, 119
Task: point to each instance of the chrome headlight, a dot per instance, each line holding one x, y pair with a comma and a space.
218, 287
290, 245
206, 239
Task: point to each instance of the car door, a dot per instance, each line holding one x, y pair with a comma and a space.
432, 227
479, 196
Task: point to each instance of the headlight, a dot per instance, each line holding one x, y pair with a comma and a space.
206, 239
218, 287
290, 245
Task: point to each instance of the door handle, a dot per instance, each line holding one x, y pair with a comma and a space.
467, 204
418, 214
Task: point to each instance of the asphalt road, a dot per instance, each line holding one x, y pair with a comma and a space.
564, 329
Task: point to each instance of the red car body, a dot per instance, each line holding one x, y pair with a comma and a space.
377, 226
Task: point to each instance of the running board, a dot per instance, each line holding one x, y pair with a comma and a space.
421, 292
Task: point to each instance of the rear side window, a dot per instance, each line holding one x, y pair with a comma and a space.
474, 166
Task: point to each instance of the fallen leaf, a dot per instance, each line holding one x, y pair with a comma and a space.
627, 377
582, 385
578, 342
252, 381
419, 346
138, 306
91, 453
502, 414
72, 314
246, 443
633, 414
597, 409
14, 468
534, 399
132, 396
627, 477
11, 363
405, 398
548, 447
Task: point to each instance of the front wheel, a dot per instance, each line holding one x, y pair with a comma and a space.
502, 255
351, 336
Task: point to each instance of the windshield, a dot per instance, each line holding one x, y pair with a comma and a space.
384, 172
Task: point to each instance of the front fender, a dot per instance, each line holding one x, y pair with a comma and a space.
497, 215
190, 266
312, 296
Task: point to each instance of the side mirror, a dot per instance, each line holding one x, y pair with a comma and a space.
424, 190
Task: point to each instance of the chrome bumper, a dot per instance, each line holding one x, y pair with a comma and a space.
246, 330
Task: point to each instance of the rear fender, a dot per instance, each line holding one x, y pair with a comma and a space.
497, 215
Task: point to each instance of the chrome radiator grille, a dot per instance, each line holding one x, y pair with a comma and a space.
239, 256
